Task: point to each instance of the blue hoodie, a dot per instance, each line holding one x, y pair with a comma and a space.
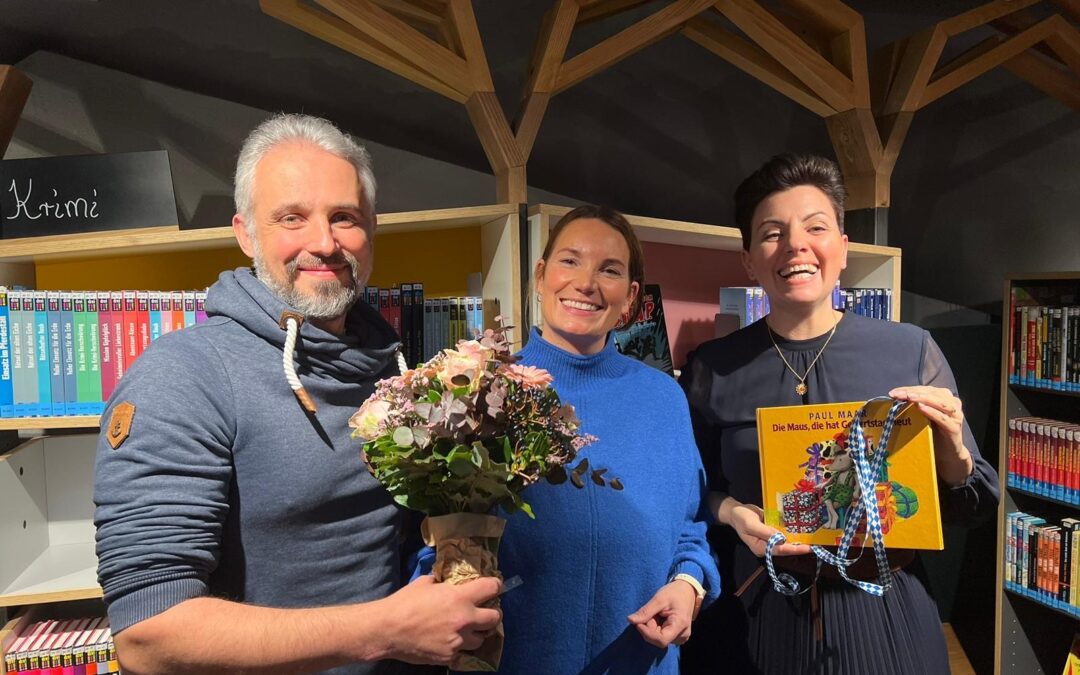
225, 486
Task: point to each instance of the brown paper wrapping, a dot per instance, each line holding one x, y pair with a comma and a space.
466, 548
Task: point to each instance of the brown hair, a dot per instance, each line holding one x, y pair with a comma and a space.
784, 172
617, 222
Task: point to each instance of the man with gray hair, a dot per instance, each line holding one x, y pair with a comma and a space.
237, 527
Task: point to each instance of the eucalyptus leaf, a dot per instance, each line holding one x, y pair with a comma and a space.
403, 437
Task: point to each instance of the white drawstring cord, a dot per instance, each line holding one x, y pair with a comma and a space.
291, 330
402, 366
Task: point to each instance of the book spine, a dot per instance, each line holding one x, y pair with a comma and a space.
7, 390
406, 325
419, 328
166, 312
131, 329
395, 310
82, 356
56, 354
116, 321
67, 357
142, 315
96, 404
200, 306
189, 307
41, 350
29, 358
176, 299
105, 349
428, 332
154, 303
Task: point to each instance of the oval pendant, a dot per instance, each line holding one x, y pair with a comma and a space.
800, 389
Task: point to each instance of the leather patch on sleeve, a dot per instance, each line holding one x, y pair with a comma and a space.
120, 424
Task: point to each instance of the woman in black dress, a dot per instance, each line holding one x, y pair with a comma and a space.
791, 215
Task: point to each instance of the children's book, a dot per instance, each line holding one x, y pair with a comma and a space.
809, 484
646, 338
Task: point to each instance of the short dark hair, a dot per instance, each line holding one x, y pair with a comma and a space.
784, 172
620, 224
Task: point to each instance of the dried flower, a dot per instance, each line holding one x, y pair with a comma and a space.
527, 376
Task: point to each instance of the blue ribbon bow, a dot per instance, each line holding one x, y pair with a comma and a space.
866, 470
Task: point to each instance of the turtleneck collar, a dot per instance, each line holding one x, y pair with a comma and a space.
574, 371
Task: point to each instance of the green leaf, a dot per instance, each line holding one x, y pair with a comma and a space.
524, 506
403, 437
461, 466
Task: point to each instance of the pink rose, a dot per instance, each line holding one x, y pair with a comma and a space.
468, 361
370, 420
529, 377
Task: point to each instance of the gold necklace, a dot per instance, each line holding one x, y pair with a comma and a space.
800, 388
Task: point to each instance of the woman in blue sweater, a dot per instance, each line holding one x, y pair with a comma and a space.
612, 579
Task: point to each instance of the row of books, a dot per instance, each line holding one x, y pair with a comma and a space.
1041, 560
1044, 346
751, 303
72, 647
62, 352
1044, 457
426, 325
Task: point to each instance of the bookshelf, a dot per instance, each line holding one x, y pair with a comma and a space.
46, 482
1033, 634
692, 261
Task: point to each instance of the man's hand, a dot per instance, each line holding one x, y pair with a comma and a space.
426, 622
666, 618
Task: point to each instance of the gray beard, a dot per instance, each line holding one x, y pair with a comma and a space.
330, 300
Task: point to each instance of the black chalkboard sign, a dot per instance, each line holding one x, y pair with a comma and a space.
85, 193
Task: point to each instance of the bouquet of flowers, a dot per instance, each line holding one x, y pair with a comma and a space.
465, 433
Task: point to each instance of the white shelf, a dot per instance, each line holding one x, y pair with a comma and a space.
61, 572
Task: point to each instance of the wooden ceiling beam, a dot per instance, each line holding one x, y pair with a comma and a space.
14, 91
982, 15
821, 76
754, 61
986, 60
402, 39
629, 41
463, 23
1065, 43
1047, 76
915, 67
830, 15
547, 58
342, 35
595, 10
1070, 8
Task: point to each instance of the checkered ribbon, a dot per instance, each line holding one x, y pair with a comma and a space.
866, 469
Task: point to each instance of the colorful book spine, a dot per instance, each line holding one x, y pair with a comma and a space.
24, 355
56, 354
176, 299
142, 318
96, 402
200, 306
105, 345
155, 315
41, 351
189, 307
7, 392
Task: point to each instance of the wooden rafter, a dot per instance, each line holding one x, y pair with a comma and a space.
337, 32
629, 41
413, 46
755, 61
817, 73
547, 58
1047, 76
594, 10
14, 90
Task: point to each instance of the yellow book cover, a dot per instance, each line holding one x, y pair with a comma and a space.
808, 480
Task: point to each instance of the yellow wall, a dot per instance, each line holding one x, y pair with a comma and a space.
441, 259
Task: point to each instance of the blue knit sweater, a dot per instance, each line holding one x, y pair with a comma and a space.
596, 555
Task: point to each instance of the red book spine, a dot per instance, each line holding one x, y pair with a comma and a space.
142, 313
116, 307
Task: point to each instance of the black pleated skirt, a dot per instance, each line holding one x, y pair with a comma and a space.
764, 632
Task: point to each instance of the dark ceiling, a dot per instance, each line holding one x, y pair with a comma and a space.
665, 132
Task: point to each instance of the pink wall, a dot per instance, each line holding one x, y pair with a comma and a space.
690, 280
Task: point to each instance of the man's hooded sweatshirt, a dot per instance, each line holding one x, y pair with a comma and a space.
225, 486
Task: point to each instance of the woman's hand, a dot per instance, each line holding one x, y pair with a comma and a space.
666, 618
748, 521
946, 416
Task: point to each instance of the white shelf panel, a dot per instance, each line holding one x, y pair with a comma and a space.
63, 572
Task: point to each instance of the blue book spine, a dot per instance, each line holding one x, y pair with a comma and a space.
41, 353
7, 390
155, 315
189, 308
56, 354
67, 342
27, 402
